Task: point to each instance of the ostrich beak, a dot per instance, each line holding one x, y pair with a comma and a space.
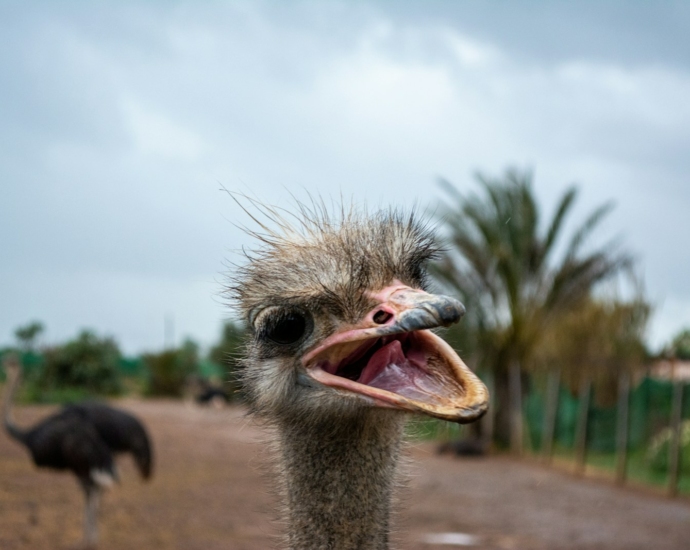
391, 358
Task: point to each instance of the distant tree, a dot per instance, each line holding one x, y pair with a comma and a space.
227, 353
188, 357
502, 261
597, 340
169, 370
28, 334
680, 345
88, 363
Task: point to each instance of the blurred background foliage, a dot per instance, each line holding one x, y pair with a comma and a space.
88, 364
680, 346
598, 339
657, 455
93, 366
169, 369
228, 352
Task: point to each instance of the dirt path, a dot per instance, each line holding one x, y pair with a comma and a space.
209, 492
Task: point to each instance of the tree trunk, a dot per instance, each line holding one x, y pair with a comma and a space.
500, 400
516, 426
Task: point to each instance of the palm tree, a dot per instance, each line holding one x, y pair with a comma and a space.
516, 276
27, 335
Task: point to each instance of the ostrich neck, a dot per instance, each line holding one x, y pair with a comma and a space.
11, 386
339, 474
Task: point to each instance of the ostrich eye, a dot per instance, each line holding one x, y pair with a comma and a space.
288, 328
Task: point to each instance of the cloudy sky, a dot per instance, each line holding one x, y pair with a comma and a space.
120, 122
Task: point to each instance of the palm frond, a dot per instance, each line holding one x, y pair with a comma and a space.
580, 236
498, 258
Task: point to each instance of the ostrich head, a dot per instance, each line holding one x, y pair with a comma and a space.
340, 320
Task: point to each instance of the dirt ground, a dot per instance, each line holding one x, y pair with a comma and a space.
210, 491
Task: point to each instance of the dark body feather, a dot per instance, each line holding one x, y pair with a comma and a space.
65, 442
84, 437
120, 431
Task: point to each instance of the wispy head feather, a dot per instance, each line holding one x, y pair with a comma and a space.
335, 252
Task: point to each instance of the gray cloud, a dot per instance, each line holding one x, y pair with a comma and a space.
120, 123
628, 34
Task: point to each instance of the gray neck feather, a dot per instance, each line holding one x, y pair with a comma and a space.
339, 476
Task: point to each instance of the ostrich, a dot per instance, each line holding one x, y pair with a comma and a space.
339, 347
81, 438
204, 392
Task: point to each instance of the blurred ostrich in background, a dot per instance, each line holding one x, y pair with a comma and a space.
341, 345
81, 438
201, 391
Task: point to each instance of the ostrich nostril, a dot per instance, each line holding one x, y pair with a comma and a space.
381, 317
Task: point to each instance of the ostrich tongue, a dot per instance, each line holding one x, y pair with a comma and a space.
415, 371
408, 374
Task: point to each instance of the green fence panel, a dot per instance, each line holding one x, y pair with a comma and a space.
210, 369
601, 429
131, 366
31, 362
566, 419
649, 413
533, 411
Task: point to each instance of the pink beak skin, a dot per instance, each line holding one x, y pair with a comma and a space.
429, 377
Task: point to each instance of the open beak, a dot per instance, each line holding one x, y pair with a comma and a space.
392, 359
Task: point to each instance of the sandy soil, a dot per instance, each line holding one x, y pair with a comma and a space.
211, 491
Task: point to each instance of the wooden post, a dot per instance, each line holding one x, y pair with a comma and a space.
674, 447
581, 429
550, 412
622, 427
515, 391
489, 419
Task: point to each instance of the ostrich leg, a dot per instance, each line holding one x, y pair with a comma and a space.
92, 493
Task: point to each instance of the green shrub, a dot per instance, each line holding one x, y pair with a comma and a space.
657, 456
681, 345
86, 365
168, 371
227, 354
